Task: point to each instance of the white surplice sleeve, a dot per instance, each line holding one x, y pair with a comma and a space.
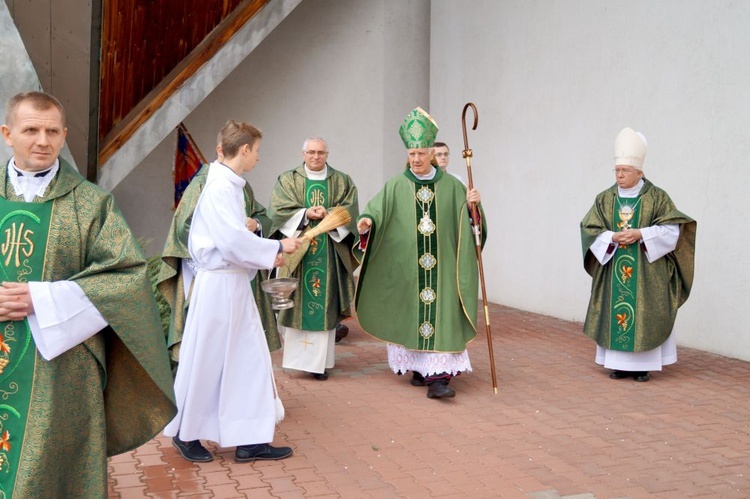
600, 248
658, 240
339, 233
289, 229
63, 317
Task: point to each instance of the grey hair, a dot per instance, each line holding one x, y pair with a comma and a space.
309, 139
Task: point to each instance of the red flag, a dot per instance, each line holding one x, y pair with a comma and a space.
187, 162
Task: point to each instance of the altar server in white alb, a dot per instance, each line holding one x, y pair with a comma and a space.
224, 387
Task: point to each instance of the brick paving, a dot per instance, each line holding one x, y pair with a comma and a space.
559, 427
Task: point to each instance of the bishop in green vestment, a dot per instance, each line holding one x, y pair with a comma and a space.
84, 372
639, 250
300, 199
175, 274
418, 285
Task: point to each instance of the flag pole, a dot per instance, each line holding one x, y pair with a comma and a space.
184, 130
477, 229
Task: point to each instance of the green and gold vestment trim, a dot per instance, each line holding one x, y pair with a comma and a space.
315, 263
624, 306
425, 215
24, 229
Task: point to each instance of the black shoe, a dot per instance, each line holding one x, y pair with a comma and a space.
341, 331
620, 374
192, 450
258, 452
417, 379
321, 376
641, 376
440, 389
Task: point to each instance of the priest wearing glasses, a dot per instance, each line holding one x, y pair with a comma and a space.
301, 198
639, 250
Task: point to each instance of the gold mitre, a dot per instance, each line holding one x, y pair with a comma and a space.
630, 148
418, 130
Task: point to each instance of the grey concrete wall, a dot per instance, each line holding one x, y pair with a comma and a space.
17, 73
57, 39
16, 70
554, 82
348, 71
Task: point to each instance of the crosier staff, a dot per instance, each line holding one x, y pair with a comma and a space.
477, 229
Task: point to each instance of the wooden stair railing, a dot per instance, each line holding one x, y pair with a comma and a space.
202, 53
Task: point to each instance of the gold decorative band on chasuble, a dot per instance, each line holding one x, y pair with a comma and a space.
24, 230
426, 237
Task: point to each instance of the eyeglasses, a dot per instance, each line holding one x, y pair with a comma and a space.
442, 154
316, 153
623, 171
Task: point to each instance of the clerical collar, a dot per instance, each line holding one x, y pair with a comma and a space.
313, 175
16, 172
630, 192
426, 176
32, 174
27, 184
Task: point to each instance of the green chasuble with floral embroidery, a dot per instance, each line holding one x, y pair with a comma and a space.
418, 286
169, 281
325, 291
106, 396
634, 303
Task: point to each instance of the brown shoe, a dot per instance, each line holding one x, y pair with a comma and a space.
341, 331
417, 379
439, 389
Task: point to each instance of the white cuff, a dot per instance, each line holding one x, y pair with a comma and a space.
63, 317
600, 247
289, 229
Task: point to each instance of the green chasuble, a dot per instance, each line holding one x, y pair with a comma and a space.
418, 286
325, 291
108, 395
634, 303
169, 281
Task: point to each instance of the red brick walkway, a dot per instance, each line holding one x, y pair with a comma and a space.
558, 427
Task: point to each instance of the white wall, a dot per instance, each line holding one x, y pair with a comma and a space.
554, 82
146, 196
346, 70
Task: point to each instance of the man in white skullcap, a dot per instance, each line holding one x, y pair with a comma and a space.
639, 250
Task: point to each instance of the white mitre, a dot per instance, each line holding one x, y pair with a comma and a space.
630, 148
